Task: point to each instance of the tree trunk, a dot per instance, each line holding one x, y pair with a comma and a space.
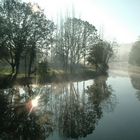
25, 63
17, 63
32, 57
12, 69
17, 68
30, 67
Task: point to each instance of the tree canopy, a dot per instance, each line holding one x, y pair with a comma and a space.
99, 55
74, 38
134, 56
28, 38
23, 31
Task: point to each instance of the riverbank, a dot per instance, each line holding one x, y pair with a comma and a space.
55, 76
123, 69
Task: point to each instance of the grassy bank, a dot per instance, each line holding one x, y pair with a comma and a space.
52, 75
58, 76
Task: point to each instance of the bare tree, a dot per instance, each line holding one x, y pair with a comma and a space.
75, 38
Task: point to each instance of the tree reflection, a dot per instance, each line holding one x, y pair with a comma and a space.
69, 108
81, 112
138, 94
18, 119
100, 95
135, 80
77, 119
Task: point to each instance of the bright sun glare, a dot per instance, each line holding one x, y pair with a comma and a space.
35, 101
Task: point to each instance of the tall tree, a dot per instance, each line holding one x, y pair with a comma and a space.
75, 38
99, 55
134, 56
24, 30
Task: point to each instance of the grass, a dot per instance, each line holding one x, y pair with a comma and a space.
53, 75
4, 71
58, 75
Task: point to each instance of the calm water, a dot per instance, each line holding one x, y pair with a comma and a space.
107, 108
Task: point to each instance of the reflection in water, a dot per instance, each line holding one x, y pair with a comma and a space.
135, 80
138, 95
71, 109
100, 94
77, 119
18, 118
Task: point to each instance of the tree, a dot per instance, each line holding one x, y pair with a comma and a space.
134, 56
75, 37
99, 55
24, 31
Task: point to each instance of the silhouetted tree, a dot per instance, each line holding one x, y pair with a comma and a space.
134, 56
99, 55
24, 30
74, 38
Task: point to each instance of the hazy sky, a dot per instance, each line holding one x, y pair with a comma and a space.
117, 19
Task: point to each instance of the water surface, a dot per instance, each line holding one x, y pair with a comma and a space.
106, 108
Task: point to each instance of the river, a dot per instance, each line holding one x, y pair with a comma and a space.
106, 108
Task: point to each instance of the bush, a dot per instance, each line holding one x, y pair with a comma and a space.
134, 56
42, 72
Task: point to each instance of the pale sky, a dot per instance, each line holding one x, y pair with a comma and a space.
117, 19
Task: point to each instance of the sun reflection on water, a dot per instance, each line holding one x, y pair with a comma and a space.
35, 101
